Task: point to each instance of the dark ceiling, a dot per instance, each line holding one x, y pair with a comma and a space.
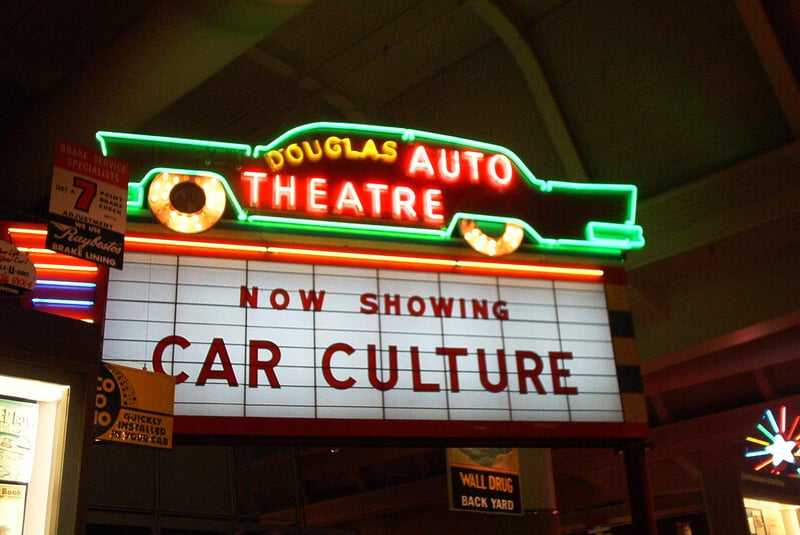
651, 93
695, 102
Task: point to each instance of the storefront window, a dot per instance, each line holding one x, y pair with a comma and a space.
771, 518
32, 433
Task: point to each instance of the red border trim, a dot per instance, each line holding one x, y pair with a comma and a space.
551, 432
404, 429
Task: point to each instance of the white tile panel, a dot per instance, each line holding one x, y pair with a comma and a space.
199, 298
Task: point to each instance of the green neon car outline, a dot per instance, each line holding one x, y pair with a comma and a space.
601, 237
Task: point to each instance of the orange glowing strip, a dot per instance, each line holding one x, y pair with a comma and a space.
399, 260
59, 259
591, 273
66, 267
372, 257
197, 244
36, 250
68, 263
334, 255
29, 231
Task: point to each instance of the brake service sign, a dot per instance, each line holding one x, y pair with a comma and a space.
87, 205
374, 343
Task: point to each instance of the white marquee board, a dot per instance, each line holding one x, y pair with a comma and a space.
323, 370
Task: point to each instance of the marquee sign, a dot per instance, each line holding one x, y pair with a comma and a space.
373, 181
258, 346
266, 337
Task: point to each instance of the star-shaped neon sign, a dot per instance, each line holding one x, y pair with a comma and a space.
779, 444
781, 450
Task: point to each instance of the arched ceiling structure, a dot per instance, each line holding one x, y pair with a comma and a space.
695, 102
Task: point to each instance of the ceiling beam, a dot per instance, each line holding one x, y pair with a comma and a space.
747, 195
503, 23
322, 89
163, 55
773, 60
752, 356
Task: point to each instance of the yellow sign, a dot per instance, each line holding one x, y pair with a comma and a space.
484, 480
12, 507
134, 406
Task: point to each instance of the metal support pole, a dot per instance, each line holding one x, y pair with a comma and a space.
538, 491
643, 511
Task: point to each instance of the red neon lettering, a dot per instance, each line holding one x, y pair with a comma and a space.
390, 303
500, 310
441, 306
524, 374
452, 353
284, 194
267, 366
371, 199
502, 382
376, 192
248, 297
348, 201
372, 364
416, 305
217, 349
312, 299
393, 304
369, 304
420, 163
474, 158
255, 178
403, 199
158, 355
432, 206
453, 172
279, 298
453, 165
558, 372
416, 374
499, 170
480, 308
382, 375
317, 201
326, 366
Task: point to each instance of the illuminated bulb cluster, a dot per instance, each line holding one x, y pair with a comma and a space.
776, 447
162, 201
478, 240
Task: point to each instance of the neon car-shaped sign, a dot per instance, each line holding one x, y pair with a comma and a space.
373, 181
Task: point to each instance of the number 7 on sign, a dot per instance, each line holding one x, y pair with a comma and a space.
87, 194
